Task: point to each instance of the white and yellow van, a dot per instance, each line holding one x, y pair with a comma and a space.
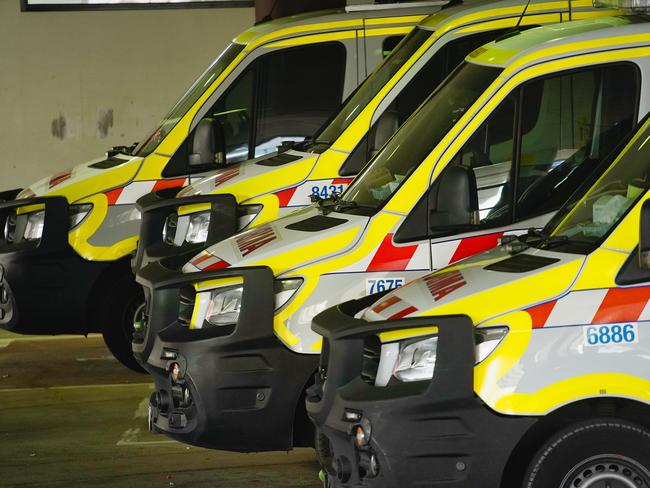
67, 242
496, 149
259, 191
525, 366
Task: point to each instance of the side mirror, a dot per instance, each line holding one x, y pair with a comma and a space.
208, 147
644, 236
454, 203
385, 127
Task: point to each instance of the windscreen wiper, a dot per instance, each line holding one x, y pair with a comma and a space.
332, 204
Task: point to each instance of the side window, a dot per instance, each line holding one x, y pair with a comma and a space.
389, 44
570, 124
476, 187
413, 94
234, 112
298, 90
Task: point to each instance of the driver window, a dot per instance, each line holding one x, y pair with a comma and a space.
233, 113
570, 123
476, 186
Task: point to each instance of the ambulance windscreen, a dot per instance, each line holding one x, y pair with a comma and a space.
589, 217
420, 134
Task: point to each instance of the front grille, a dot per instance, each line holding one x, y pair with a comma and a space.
371, 357
186, 305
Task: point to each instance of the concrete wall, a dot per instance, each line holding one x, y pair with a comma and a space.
73, 84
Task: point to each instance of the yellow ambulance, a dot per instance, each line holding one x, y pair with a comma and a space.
67, 240
496, 149
524, 366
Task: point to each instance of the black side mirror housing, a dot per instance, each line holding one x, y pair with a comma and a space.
208, 147
454, 203
644, 236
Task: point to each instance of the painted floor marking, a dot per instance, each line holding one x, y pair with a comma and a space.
76, 387
130, 438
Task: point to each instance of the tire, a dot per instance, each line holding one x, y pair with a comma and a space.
599, 453
116, 313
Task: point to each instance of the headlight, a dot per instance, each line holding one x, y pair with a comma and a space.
415, 359
225, 305
34, 226
78, 214
285, 290
198, 227
222, 306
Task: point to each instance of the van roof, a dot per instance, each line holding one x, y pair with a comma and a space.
329, 20
562, 40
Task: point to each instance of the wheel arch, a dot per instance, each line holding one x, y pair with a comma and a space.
620, 407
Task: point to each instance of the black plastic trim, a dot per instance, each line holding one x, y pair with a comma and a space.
156, 207
246, 386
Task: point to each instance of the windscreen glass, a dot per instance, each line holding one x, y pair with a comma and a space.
375, 82
420, 134
188, 100
589, 217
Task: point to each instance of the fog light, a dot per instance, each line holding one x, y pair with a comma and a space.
362, 433
176, 372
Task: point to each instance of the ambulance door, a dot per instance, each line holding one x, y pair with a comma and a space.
545, 139
283, 95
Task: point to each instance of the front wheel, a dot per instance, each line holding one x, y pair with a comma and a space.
599, 453
118, 312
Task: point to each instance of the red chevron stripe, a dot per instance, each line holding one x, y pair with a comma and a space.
388, 302
341, 181
622, 305
403, 313
218, 265
202, 259
390, 257
114, 195
474, 245
164, 184
540, 313
284, 196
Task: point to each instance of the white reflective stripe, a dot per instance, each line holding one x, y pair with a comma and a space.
362, 264
420, 258
135, 190
576, 308
442, 252
645, 314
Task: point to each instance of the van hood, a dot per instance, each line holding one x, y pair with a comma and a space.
86, 179
256, 176
300, 238
484, 286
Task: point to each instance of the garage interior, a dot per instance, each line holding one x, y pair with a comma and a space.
79, 82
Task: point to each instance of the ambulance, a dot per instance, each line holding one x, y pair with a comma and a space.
259, 191
525, 366
495, 150
67, 240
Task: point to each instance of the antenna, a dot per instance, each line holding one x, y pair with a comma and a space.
523, 12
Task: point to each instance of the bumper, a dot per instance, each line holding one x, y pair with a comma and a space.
156, 207
45, 287
435, 433
238, 388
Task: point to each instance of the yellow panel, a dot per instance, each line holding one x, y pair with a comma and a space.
413, 19
194, 208
601, 269
398, 335
304, 40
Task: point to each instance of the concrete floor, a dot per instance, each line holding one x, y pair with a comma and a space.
71, 416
